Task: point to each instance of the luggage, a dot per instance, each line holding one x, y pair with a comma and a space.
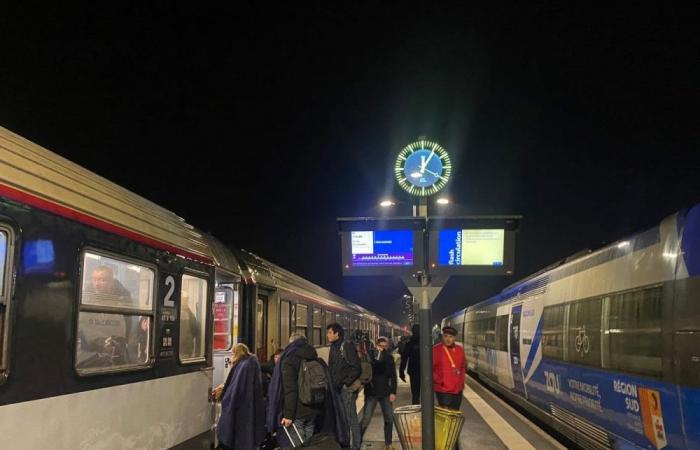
322, 441
312, 383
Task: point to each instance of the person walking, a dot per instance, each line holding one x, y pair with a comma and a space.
410, 358
345, 372
449, 368
382, 390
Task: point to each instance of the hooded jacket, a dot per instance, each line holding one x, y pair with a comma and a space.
292, 408
344, 364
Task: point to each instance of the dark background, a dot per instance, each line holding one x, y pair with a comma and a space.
261, 124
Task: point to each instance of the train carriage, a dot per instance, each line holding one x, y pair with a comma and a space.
604, 346
116, 316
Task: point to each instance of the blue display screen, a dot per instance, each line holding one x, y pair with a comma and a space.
38, 256
382, 248
471, 247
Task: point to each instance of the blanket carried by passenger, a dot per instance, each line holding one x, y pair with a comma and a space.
241, 424
331, 421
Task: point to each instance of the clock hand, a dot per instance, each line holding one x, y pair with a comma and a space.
424, 162
435, 174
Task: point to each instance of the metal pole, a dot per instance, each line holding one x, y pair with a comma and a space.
426, 353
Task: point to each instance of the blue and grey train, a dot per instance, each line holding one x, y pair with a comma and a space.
604, 346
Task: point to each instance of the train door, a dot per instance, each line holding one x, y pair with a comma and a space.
514, 349
261, 326
225, 334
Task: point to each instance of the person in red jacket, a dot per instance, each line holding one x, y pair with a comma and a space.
449, 367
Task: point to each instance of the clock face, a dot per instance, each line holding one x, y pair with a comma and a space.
423, 168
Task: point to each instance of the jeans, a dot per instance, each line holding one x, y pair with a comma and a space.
415, 389
350, 403
452, 401
387, 413
305, 427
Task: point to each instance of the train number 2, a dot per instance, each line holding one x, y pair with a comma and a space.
170, 282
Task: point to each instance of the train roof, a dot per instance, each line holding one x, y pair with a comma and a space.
580, 261
34, 175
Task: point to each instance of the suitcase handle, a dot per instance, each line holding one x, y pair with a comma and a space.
291, 441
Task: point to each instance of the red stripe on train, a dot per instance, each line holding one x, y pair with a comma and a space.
72, 214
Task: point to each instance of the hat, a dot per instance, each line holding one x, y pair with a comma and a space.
449, 330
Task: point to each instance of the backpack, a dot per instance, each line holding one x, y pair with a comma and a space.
312, 383
365, 368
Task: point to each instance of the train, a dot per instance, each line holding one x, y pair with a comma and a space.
603, 346
117, 317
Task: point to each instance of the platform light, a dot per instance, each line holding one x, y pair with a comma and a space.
443, 201
386, 203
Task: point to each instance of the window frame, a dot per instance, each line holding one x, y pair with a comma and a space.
319, 328
284, 340
207, 335
296, 318
91, 308
6, 294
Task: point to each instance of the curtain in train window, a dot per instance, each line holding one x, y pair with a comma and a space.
317, 325
584, 332
284, 323
3, 295
116, 315
301, 319
635, 332
193, 301
553, 332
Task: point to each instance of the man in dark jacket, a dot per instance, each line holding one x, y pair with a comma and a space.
411, 357
302, 416
381, 390
345, 371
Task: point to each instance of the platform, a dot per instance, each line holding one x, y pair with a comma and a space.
489, 423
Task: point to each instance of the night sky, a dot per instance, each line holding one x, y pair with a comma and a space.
585, 122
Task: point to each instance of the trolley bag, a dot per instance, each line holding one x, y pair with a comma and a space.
322, 441
289, 436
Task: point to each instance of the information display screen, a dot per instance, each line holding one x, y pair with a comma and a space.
381, 248
471, 247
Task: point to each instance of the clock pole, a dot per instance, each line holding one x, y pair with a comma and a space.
426, 348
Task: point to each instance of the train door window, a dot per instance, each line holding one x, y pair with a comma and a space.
584, 332
115, 316
223, 318
284, 322
260, 324
502, 333
5, 288
553, 332
317, 325
302, 319
193, 301
634, 332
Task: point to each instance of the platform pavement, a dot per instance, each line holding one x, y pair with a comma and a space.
489, 423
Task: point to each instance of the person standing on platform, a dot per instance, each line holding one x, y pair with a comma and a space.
381, 390
345, 371
410, 357
449, 368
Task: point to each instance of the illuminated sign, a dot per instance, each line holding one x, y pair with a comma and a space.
471, 247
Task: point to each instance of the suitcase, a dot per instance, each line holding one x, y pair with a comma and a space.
322, 441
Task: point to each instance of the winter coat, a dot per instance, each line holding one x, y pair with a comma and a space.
446, 378
292, 408
383, 376
344, 365
242, 421
411, 357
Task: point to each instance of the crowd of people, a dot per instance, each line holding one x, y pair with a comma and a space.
297, 400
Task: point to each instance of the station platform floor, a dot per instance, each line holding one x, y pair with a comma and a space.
489, 423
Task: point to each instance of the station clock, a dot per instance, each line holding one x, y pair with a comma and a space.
423, 168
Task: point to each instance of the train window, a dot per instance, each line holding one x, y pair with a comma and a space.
584, 332
490, 332
302, 319
5, 255
553, 332
635, 332
223, 315
115, 319
317, 325
330, 318
502, 333
113, 283
193, 301
284, 322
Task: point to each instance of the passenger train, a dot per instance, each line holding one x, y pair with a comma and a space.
117, 317
604, 346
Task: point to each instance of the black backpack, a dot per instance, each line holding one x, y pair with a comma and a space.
312, 383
